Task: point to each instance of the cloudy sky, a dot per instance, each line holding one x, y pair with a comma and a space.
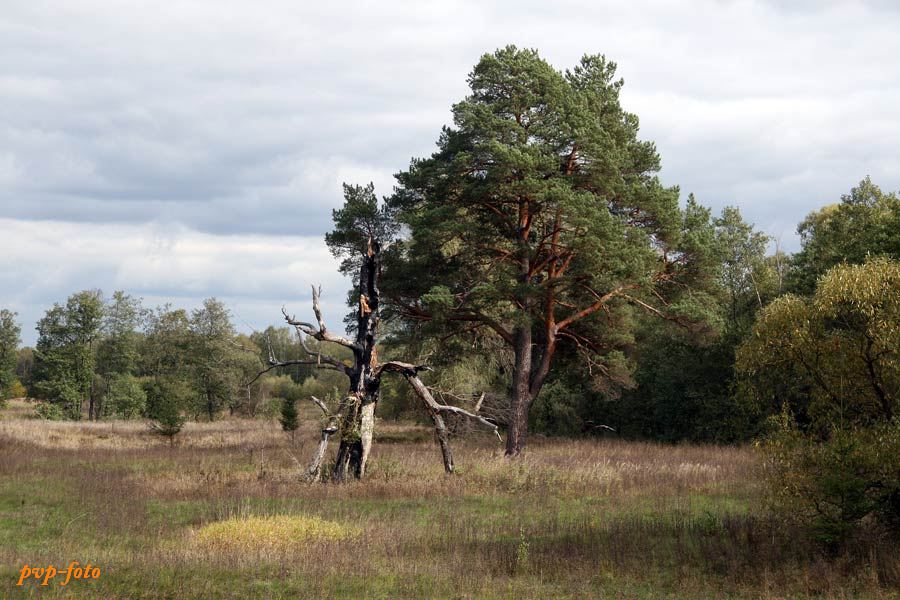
180, 150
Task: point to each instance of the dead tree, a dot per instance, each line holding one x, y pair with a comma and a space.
354, 419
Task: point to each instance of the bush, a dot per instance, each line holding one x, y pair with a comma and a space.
288, 417
50, 411
126, 397
165, 399
18, 390
838, 485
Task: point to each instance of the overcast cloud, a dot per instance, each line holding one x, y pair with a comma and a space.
189, 149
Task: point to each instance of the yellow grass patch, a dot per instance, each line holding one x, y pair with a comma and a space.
269, 534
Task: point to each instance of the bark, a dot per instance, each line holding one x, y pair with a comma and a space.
314, 471
443, 438
366, 433
359, 422
521, 392
315, 468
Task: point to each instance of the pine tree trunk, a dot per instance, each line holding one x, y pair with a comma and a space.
521, 395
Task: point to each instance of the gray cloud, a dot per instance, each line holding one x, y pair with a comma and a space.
227, 121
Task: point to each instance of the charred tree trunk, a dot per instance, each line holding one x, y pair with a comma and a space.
358, 427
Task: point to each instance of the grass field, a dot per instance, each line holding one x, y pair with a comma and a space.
222, 514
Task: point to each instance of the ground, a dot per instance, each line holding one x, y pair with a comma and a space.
592, 518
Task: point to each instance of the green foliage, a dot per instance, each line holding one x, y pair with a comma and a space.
166, 398
684, 391
355, 223
216, 361
118, 351
282, 343
125, 398
836, 484
556, 409
165, 349
513, 139
65, 351
865, 223
685, 381
540, 218
833, 358
25, 366
50, 411
17, 390
288, 419
10, 332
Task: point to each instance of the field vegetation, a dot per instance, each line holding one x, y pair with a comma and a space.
627, 519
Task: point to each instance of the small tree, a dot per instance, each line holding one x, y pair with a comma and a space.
169, 421
288, 420
165, 399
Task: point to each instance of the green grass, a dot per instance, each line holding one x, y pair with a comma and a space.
626, 520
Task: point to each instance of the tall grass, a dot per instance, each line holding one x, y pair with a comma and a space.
576, 518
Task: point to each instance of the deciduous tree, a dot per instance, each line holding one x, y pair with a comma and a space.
10, 333
865, 223
66, 351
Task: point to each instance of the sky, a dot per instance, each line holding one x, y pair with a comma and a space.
182, 150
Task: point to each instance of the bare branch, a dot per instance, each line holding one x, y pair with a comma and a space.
478, 404
411, 373
288, 363
315, 466
321, 405
321, 333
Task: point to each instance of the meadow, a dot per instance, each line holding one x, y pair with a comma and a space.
222, 513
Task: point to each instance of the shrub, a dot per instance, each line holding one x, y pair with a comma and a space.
50, 411
18, 390
125, 398
288, 417
836, 485
165, 398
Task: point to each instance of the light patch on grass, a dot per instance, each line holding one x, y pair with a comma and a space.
269, 534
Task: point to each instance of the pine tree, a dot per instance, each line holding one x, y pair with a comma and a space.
289, 421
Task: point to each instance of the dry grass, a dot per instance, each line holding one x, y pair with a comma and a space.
586, 518
278, 535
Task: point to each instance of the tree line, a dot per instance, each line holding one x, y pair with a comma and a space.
99, 358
